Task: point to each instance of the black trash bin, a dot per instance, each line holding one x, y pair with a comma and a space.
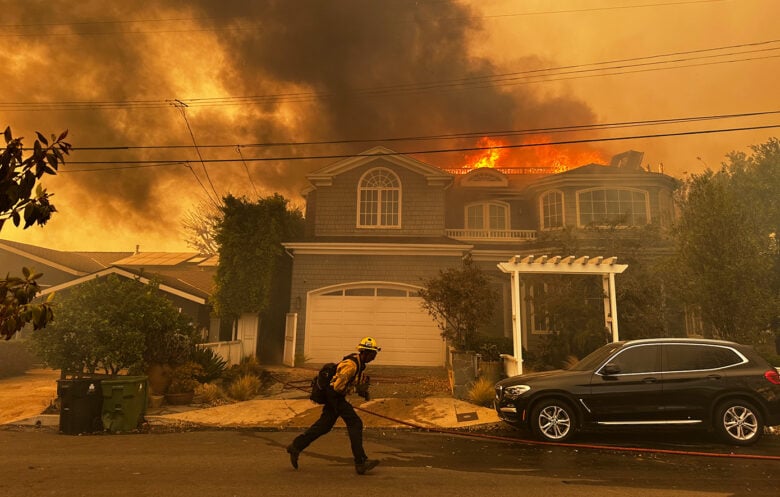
81, 405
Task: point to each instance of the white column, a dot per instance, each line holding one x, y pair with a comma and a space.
517, 320
613, 307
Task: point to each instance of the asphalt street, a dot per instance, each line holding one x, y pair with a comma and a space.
39, 462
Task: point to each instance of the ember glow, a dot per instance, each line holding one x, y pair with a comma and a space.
558, 158
488, 157
561, 158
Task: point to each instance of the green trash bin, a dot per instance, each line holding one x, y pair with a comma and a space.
124, 402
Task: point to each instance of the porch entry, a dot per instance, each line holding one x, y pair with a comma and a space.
338, 317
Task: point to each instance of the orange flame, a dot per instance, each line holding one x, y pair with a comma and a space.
560, 158
488, 157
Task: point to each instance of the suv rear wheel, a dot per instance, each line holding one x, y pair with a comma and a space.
738, 422
553, 420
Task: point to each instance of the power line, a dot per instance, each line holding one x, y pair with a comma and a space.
420, 152
181, 106
452, 136
578, 71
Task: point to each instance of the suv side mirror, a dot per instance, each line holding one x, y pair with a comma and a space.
610, 369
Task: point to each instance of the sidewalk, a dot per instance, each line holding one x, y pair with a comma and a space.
406, 398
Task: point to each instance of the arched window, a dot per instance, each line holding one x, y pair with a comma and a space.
487, 216
621, 207
551, 210
379, 200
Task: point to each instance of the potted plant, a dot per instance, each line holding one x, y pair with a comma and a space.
184, 381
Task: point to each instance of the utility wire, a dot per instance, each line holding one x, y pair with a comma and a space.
429, 151
618, 66
455, 136
181, 106
238, 147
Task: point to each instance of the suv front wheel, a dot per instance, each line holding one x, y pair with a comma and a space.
553, 420
738, 422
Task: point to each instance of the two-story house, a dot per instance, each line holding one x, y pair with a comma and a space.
380, 224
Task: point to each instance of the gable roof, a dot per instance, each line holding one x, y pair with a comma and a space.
434, 175
180, 273
168, 283
75, 263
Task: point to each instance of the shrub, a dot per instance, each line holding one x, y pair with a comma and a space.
481, 392
245, 387
113, 324
210, 394
15, 358
213, 365
184, 378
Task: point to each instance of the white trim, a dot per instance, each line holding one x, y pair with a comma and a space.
392, 285
378, 249
433, 175
126, 274
361, 189
42, 260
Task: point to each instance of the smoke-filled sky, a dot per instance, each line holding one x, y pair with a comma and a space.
260, 85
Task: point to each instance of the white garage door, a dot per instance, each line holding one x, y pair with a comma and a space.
338, 319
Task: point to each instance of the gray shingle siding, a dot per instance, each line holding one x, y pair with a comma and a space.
422, 206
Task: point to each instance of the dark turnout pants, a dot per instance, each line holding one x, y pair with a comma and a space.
336, 407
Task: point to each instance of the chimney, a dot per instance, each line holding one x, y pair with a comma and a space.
137, 249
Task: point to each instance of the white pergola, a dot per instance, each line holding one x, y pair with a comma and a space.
607, 267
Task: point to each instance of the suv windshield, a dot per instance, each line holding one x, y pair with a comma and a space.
595, 358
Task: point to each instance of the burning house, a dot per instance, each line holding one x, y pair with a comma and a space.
380, 223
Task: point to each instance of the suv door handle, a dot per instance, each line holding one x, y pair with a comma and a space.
714, 377
649, 380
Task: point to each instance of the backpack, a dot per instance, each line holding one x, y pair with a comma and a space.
321, 382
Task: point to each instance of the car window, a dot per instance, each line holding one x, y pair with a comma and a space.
637, 359
692, 357
596, 358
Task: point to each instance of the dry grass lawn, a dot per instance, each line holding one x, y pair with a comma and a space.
28, 395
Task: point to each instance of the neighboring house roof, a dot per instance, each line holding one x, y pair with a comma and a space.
186, 274
76, 263
167, 284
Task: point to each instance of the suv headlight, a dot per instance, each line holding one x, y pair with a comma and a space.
515, 391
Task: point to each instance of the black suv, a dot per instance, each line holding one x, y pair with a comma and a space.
718, 385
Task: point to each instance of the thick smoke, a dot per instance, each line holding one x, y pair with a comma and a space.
341, 70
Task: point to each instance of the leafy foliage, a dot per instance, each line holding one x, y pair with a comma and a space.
111, 324
18, 178
17, 307
184, 378
728, 254
213, 365
460, 299
250, 238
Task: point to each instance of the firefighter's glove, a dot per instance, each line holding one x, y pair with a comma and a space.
362, 390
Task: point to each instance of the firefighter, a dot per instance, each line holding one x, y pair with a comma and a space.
348, 377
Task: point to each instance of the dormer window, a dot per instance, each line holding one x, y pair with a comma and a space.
379, 199
491, 216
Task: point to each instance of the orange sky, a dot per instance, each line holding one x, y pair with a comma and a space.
361, 73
